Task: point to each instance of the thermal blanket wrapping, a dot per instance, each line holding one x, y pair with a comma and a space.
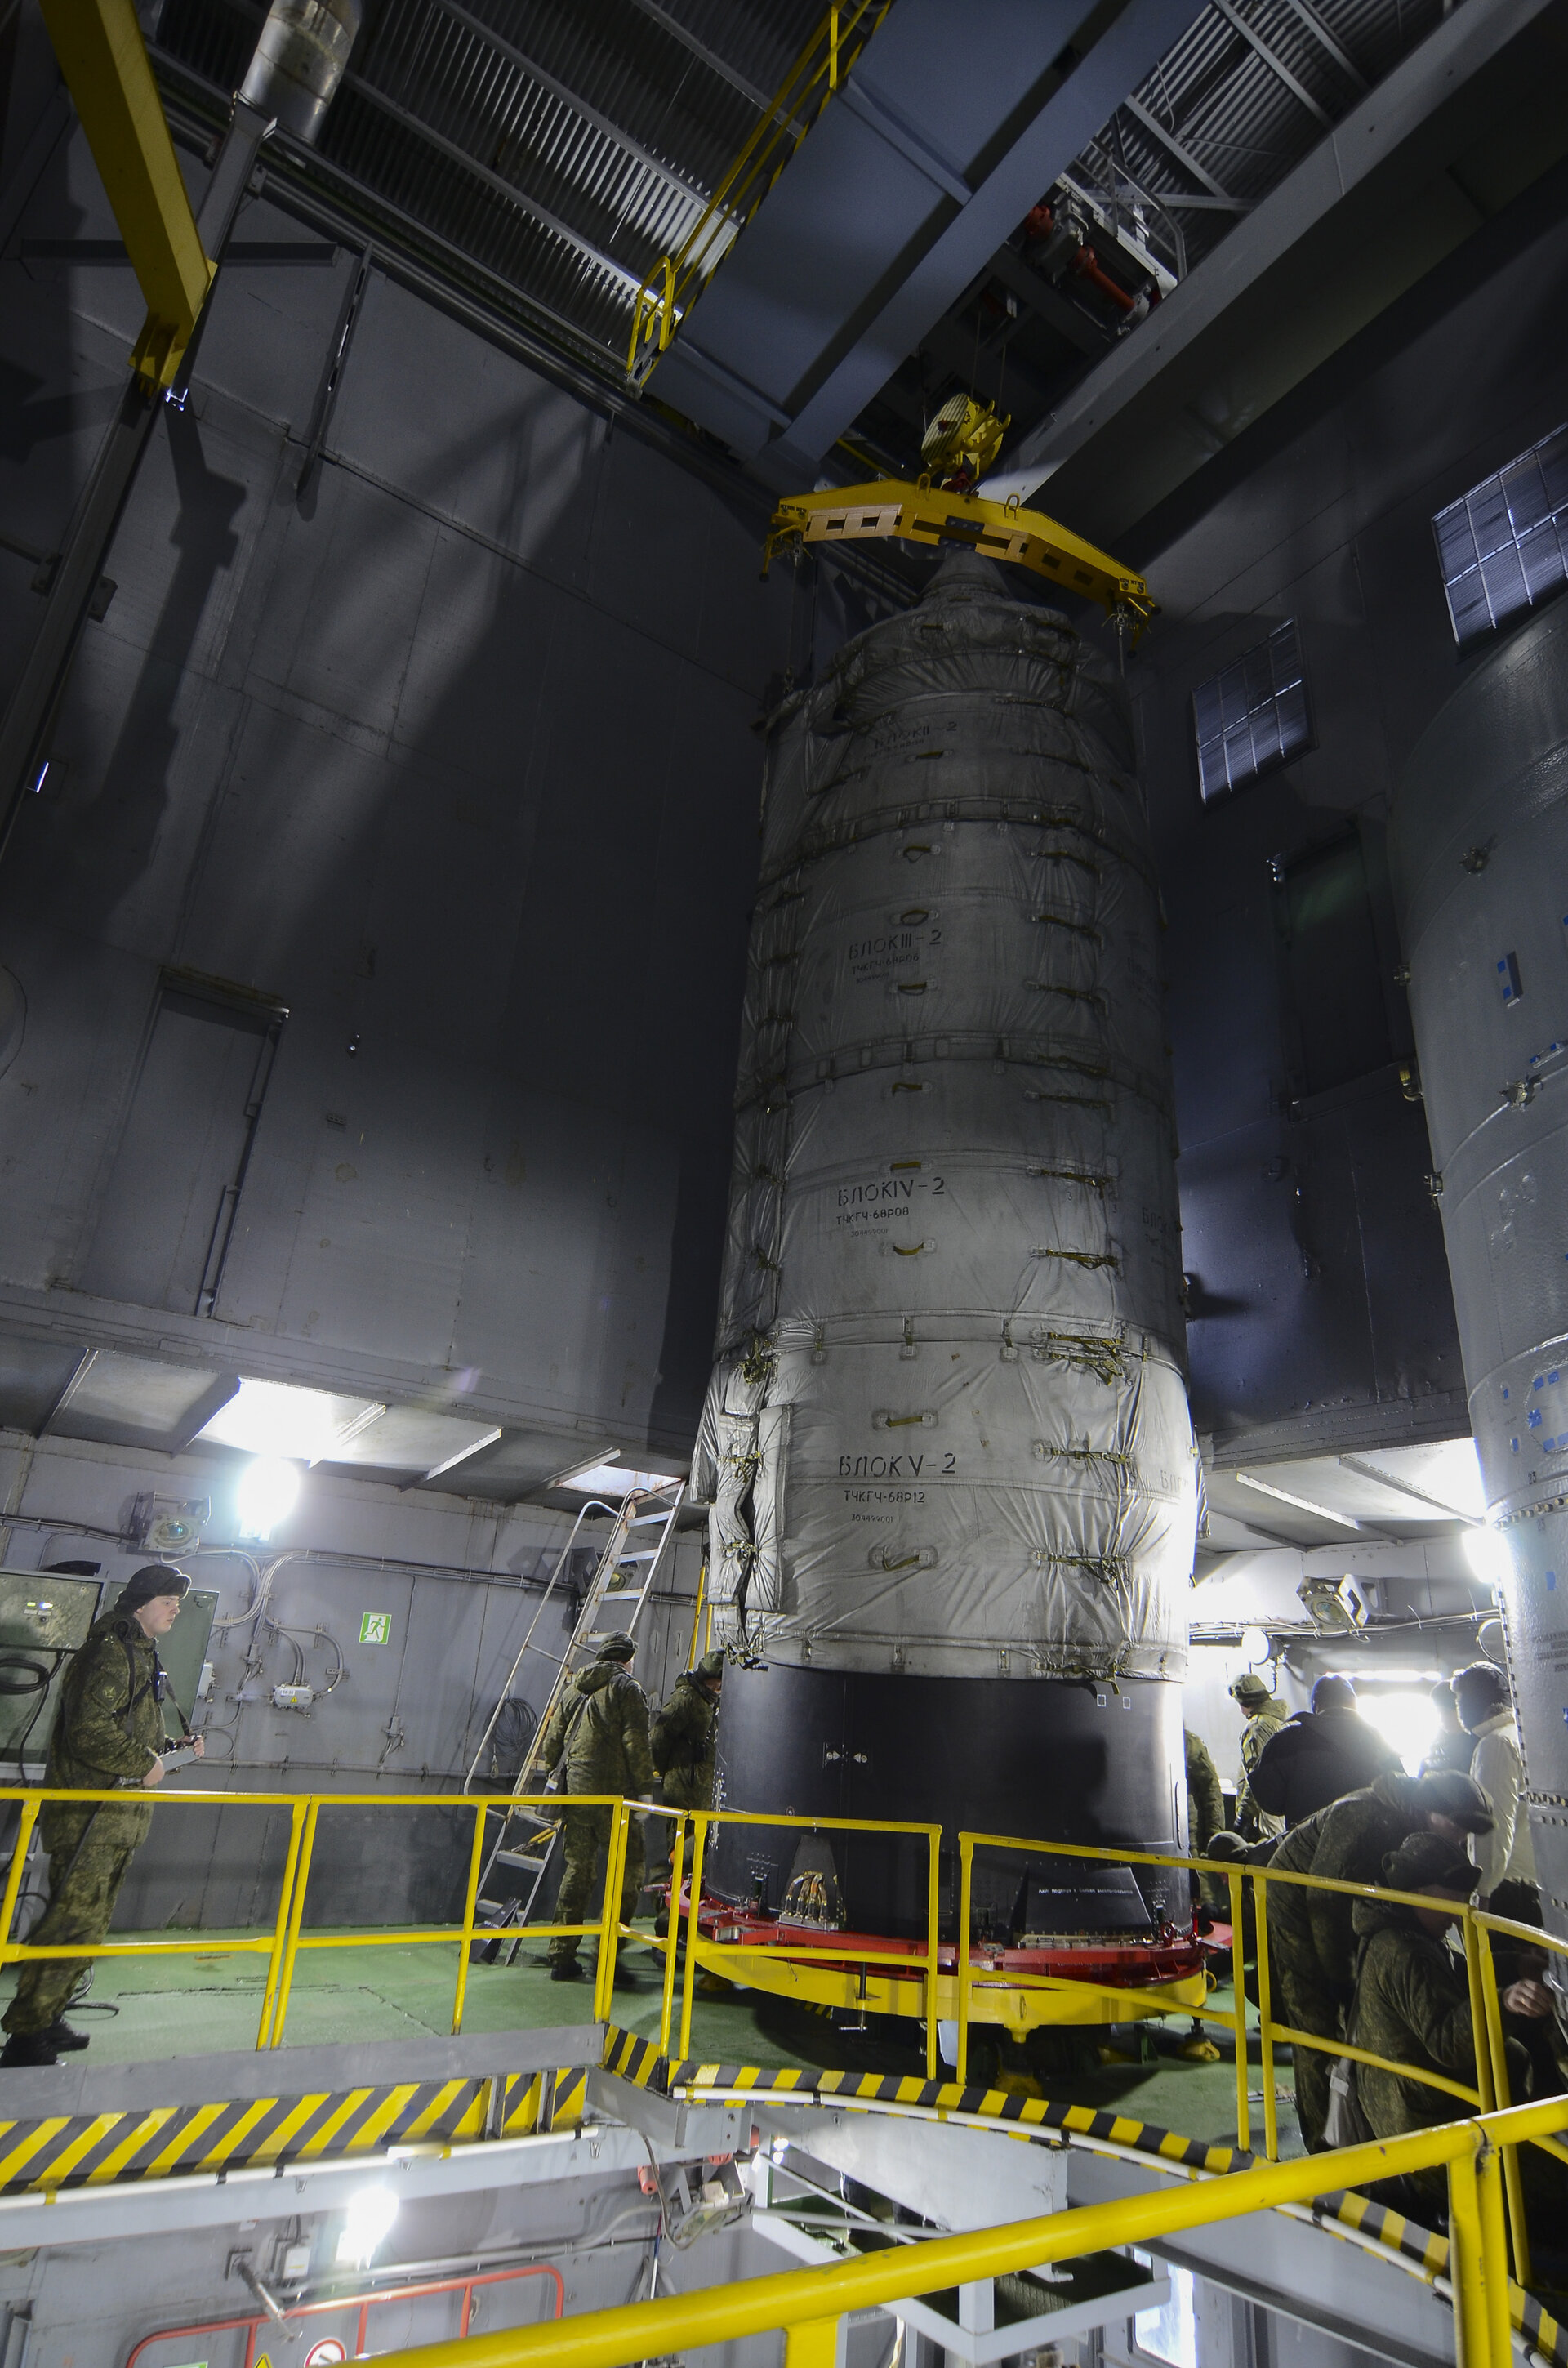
947, 1430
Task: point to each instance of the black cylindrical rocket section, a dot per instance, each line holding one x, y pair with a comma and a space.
948, 1439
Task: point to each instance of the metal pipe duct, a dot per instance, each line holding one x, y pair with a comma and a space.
300, 59
1480, 852
947, 1437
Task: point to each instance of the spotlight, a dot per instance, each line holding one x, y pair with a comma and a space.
367, 2222
1255, 1646
266, 1495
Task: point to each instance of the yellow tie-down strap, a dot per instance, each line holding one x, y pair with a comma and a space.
158, 2142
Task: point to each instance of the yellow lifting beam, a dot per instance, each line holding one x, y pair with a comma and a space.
104, 60
926, 513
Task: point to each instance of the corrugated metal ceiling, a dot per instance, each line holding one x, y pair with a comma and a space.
550, 151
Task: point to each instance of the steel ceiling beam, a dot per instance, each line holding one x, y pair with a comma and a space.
1178, 148
1326, 40
104, 60
1273, 60
589, 114
496, 181
1271, 301
917, 173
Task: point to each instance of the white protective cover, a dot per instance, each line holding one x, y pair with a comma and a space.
947, 1430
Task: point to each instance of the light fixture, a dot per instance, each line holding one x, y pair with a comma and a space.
1255, 1646
366, 2223
267, 1493
1302, 1504
614, 1480
288, 1419
1487, 1554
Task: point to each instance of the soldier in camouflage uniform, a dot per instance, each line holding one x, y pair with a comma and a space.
1205, 1799
1312, 1946
109, 1731
1412, 2000
1264, 1715
599, 1733
685, 1739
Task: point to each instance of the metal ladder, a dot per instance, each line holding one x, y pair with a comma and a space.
525, 1838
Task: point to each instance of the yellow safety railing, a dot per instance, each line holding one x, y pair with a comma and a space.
809, 2304
282, 1946
1491, 2088
817, 73
920, 1967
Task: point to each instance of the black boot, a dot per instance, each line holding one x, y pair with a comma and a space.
566, 1969
62, 2036
28, 2047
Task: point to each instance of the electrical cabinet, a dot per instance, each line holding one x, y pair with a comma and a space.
44, 1615
44, 1618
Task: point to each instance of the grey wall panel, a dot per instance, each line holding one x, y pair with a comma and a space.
1323, 513
452, 754
406, 1716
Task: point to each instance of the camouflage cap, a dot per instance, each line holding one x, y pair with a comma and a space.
1250, 1687
1454, 1794
712, 1665
1427, 1862
1226, 1843
618, 1647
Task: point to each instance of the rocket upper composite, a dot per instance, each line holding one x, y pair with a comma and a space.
947, 1441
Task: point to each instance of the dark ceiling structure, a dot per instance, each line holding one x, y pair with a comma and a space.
540, 159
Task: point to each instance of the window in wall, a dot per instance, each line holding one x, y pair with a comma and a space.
169, 1203
1251, 714
1169, 2334
1504, 545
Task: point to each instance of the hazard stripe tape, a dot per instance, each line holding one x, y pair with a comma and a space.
635, 2059
150, 2142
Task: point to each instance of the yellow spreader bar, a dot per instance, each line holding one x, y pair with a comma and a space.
889, 507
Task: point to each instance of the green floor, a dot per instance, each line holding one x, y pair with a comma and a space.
207, 2002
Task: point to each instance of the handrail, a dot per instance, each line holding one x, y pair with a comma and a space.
919, 1965
287, 1938
809, 2302
833, 46
419, 2290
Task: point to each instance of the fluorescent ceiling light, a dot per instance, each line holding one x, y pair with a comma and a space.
614, 1480
267, 1493
280, 1418
1302, 1504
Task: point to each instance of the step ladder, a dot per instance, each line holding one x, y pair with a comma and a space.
524, 1843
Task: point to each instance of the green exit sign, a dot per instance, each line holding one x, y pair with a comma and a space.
375, 1628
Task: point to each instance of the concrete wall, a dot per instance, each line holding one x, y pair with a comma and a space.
447, 749
1321, 1312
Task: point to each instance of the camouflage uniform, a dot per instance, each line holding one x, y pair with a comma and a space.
685, 1741
1205, 1809
1300, 1996
1252, 1821
1413, 2007
600, 1727
110, 1726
